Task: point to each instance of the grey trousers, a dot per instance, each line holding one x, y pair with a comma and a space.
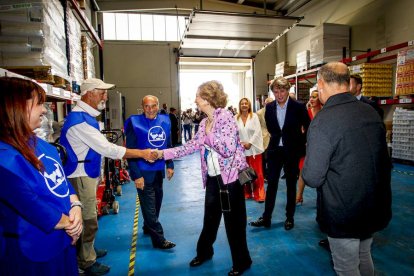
85, 188
352, 257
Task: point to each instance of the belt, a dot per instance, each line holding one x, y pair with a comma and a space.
10, 235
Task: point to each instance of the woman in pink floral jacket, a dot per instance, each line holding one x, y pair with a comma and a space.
222, 156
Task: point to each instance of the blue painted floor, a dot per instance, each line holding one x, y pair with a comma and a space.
274, 251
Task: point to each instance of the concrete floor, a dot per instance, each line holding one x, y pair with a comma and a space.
274, 251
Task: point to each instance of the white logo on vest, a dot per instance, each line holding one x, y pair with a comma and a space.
156, 136
54, 176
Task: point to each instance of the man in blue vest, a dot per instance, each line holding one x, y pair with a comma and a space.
150, 130
85, 146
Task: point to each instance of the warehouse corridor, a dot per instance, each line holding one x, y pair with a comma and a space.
274, 251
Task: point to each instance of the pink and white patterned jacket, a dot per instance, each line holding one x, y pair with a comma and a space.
224, 139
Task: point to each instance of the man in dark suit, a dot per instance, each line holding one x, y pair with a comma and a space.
150, 130
285, 120
355, 87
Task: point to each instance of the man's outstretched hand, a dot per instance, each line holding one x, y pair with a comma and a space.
149, 155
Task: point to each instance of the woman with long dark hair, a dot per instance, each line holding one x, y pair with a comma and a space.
40, 214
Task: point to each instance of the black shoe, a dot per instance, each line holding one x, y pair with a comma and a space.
261, 222
165, 245
197, 261
289, 224
145, 230
100, 252
97, 269
239, 271
325, 244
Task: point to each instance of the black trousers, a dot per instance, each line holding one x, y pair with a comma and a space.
235, 222
277, 159
150, 200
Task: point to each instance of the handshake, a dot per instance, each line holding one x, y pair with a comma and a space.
151, 155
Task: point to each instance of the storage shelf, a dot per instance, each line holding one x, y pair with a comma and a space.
311, 73
409, 100
52, 92
85, 22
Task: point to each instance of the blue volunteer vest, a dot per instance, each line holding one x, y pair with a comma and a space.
92, 160
48, 189
150, 134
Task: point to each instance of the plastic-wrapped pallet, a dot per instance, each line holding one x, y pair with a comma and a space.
302, 61
405, 73
326, 43
32, 34
75, 48
283, 69
376, 79
403, 134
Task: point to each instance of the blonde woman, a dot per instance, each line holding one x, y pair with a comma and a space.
252, 140
222, 157
314, 106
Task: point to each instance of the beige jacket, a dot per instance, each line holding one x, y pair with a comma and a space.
266, 135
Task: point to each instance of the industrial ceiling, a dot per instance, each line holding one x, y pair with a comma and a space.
232, 35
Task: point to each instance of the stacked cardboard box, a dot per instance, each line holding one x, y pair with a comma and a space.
376, 79
283, 69
302, 92
302, 61
326, 43
403, 134
405, 73
33, 34
87, 57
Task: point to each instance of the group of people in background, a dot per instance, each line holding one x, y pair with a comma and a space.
336, 144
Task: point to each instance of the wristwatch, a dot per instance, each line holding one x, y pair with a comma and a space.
76, 203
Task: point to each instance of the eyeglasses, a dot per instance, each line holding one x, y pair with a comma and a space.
314, 97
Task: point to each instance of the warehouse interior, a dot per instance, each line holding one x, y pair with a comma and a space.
250, 41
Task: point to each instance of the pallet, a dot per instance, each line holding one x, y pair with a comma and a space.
41, 74
403, 161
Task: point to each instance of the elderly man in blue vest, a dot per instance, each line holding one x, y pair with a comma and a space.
150, 130
85, 146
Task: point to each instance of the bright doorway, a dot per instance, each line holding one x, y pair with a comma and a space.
234, 74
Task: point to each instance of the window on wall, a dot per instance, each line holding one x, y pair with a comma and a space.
149, 27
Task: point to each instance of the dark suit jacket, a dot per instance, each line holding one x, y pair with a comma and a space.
292, 136
374, 105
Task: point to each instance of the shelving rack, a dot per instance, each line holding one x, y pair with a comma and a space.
310, 75
85, 22
51, 92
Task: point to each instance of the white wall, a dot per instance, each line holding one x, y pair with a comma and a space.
142, 69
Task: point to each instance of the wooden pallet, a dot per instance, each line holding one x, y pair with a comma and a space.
41, 74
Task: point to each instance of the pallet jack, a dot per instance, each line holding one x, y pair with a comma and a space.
111, 180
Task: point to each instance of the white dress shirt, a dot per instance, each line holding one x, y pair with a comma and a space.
281, 116
251, 132
83, 136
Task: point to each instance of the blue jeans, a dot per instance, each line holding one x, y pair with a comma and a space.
150, 200
352, 257
187, 132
